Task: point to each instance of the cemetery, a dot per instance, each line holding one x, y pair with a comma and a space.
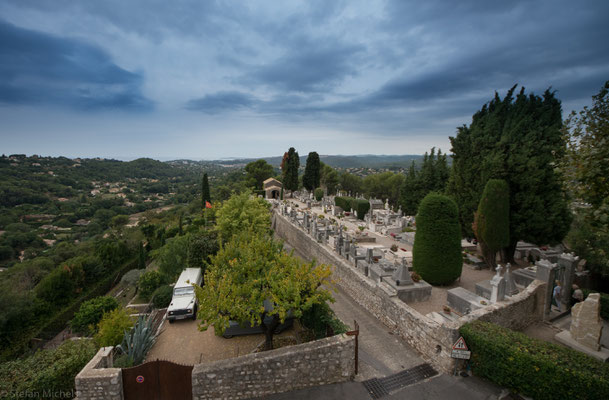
372, 259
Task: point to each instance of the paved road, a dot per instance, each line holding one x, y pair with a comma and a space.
380, 352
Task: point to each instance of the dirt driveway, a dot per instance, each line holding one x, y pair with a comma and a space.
183, 343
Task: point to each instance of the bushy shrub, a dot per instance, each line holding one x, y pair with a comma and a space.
91, 312
437, 242
321, 320
343, 202
47, 371
319, 194
162, 296
361, 206
112, 327
148, 282
533, 367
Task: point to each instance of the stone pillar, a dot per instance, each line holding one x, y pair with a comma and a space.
369, 256
586, 325
510, 285
546, 271
497, 286
569, 263
346, 247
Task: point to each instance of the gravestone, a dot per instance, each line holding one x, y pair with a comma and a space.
586, 324
497, 286
510, 284
401, 275
569, 264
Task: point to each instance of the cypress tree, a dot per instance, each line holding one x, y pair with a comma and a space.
205, 196
289, 166
312, 172
492, 221
436, 254
518, 139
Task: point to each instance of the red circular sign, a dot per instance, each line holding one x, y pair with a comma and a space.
139, 379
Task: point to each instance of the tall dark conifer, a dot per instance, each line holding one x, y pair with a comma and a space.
517, 139
205, 196
312, 172
289, 166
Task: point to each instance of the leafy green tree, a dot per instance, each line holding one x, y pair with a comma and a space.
148, 282
289, 168
91, 312
250, 270
329, 178
312, 172
586, 168
201, 246
385, 185
517, 139
436, 254
162, 296
351, 183
241, 213
492, 220
119, 221
112, 327
61, 285
205, 195
257, 172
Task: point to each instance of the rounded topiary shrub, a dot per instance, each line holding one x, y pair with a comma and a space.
361, 206
436, 254
319, 194
162, 296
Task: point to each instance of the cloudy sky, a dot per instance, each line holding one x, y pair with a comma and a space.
214, 79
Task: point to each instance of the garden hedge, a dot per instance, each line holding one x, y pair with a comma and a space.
436, 253
344, 202
533, 367
47, 371
361, 206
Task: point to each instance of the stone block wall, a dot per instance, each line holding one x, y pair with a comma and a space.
321, 362
516, 312
431, 339
97, 380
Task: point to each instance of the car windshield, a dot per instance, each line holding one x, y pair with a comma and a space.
183, 291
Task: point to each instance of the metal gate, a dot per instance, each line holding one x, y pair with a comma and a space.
158, 380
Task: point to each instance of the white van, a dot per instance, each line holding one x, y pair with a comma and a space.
184, 301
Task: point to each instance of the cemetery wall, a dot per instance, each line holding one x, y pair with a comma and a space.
321, 362
433, 340
97, 381
516, 312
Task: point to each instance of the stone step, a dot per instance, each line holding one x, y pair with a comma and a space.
385, 287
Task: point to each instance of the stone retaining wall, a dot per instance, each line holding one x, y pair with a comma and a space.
321, 362
97, 381
431, 339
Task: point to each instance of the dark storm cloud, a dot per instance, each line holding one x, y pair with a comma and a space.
222, 102
39, 68
309, 66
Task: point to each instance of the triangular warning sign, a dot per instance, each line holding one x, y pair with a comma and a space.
460, 344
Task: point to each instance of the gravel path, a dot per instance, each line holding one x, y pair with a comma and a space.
183, 343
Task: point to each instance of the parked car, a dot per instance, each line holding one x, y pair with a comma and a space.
236, 329
184, 301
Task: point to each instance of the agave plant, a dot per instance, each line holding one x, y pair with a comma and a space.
138, 340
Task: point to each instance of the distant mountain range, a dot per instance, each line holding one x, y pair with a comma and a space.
335, 161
